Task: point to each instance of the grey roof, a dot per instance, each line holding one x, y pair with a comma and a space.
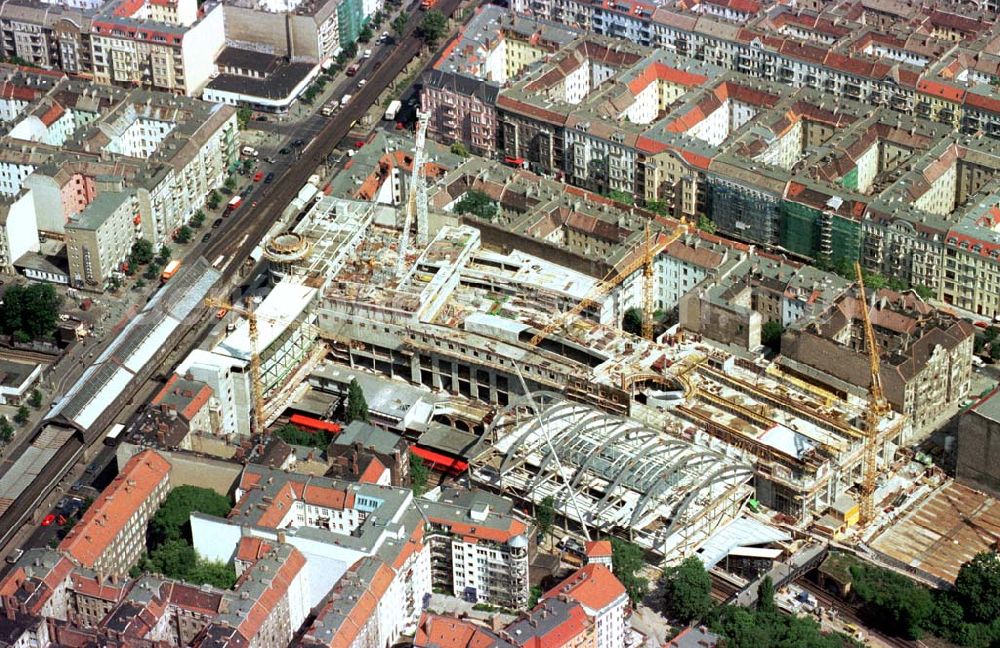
989, 406
486, 91
279, 82
369, 436
99, 211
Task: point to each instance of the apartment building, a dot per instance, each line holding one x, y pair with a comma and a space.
926, 354
111, 535
48, 35
801, 55
186, 399
976, 464
479, 549
602, 597
163, 46
493, 48
18, 229
100, 238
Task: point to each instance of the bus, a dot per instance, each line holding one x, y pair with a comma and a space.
171, 269
111, 438
309, 424
233, 203
393, 109
218, 261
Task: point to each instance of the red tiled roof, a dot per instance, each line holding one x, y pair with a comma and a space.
592, 586
598, 549
449, 632
115, 506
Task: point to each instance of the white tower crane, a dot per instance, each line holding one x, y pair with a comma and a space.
416, 202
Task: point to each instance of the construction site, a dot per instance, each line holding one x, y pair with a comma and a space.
660, 437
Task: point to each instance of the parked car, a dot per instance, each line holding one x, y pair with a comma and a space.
367, 54
269, 178
49, 519
257, 177
204, 239
216, 223
15, 556
284, 151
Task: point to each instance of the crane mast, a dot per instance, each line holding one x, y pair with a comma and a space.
416, 202
256, 385
647, 287
878, 407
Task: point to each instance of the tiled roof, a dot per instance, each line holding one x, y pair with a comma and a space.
435, 631
592, 586
115, 506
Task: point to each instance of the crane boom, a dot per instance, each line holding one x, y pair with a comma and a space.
416, 202
615, 277
878, 407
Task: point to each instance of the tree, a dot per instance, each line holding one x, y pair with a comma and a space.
142, 252
213, 199
183, 234
399, 23
978, 585
545, 514
211, 572
6, 430
433, 27
174, 558
995, 351
626, 561
924, 292
294, 435
622, 197
477, 203
230, 183
243, 116
765, 597
688, 591
140, 283
770, 335
658, 207
419, 475
35, 400
891, 601
171, 521
632, 321
165, 253
29, 312
365, 35
706, 224
458, 148
22, 415
357, 406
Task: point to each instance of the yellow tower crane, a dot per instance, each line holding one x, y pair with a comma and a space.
615, 277
256, 386
878, 408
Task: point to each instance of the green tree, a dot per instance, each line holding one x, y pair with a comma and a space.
477, 203
765, 597
165, 253
230, 183
213, 199
365, 35
399, 23
183, 234
295, 435
924, 292
706, 224
545, 514
142, 252
29, 312
978, 585
894, 602
174, 558
534, 594
770, 335
995, 351
622, 197
210, 572
433, 27
35, 400
171, 521
687, 591
627, 561
419, 474
243, 116
658, 206
874, 281
458, 148
140, 283
22, 415
6, 430
357, 406
632, 321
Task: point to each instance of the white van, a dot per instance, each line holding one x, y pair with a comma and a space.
343, 102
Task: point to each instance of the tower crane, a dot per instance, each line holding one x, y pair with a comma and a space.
416, 201
878, 408
256, 386
615, 277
